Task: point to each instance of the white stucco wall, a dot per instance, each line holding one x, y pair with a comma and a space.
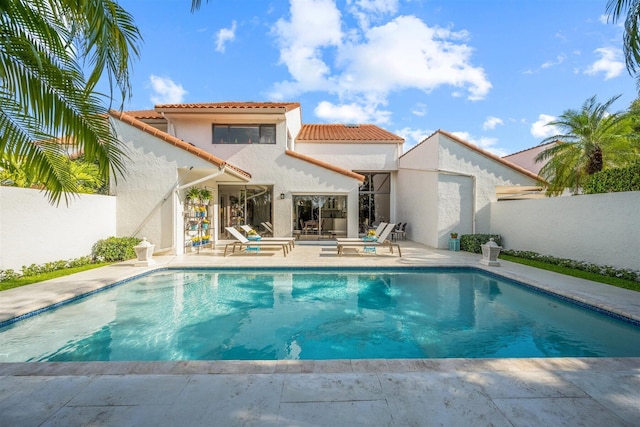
417, 205
147, 204
294, 124
599, 228
445, 186
268, 164
355, 157
35, 232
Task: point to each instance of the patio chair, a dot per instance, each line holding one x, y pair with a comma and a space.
379, 231
399, 232
288, 240
246, 243
382, 242
268, 227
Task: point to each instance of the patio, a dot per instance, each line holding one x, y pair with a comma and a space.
510, 392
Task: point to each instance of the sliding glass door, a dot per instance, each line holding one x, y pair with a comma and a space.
244, 204
316, 216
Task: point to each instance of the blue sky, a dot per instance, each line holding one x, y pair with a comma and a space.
491, 72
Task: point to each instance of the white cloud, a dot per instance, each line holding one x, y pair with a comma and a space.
413, 136
314, 24
610, 63
225, 35
367, 11
363, 65
540, 128
419, 110
559, 60
492, 122
165, 91
487, 144
351, 113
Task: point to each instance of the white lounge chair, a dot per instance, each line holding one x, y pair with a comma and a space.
267, 226
244, 242
289, 240
379, 231
382, 242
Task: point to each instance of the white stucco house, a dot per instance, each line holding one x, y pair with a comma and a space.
262, 164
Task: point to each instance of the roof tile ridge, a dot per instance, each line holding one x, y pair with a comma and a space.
121, 115
490, 155
325, 165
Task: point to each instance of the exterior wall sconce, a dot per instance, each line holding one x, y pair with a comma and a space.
490, 252
281, 196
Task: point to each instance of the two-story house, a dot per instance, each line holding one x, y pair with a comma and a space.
263, 165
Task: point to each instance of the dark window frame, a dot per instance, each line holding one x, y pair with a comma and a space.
264, 131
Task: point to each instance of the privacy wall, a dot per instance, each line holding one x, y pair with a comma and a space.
35, 232
603, 229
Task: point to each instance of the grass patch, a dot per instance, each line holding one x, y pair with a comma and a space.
15, 283
613, 281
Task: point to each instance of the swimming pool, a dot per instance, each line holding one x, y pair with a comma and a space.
275, 314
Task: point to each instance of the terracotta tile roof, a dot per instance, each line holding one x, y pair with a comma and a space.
365, 133
483, 152
286, 106
144, 114
326, 165
177, 142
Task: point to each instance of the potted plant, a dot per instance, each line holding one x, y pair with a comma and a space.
454, 235
205, 224
194, 195
205, 196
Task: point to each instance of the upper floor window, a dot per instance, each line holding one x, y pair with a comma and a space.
244, 134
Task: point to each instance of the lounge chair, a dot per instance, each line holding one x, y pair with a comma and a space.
382, 242
244, 242
379, 231
288, 240
268, 227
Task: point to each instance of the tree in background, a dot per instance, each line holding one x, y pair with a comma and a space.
45, 48
631, 39
593, 139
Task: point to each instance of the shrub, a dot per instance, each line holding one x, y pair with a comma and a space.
605, 270
114, 249
472, 242
614, 180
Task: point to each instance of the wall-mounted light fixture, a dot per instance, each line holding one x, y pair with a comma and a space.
281, 195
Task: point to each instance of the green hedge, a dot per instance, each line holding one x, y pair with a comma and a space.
472, 242
614, 180
114, 249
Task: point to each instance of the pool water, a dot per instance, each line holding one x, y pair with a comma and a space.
316, 314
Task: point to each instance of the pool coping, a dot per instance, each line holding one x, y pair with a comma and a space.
336, 366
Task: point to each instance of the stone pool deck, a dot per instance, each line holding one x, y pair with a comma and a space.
420, 392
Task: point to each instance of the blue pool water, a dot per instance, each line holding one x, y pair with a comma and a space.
316, 314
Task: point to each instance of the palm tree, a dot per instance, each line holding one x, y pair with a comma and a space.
615, 9
46, 47
592, 139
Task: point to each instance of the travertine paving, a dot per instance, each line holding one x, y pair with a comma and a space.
420, 392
